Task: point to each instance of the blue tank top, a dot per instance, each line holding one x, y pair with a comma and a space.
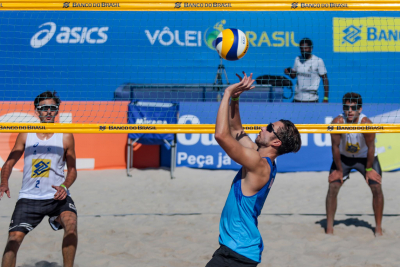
238, 226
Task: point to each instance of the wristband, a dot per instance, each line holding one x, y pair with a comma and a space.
368, 169
326, 98
235, 99
63, 186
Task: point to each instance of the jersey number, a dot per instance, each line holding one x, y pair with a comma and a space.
37, 184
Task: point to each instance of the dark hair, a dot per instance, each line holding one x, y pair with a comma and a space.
47, 95
290, 137
307, 41
353, 98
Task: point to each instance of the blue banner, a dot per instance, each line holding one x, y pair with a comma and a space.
144, 112
87, 55
202, 151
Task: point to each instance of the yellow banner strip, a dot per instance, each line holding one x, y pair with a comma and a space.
185, 128
202, 6
208, 1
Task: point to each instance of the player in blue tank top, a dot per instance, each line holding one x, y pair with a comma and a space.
240, 239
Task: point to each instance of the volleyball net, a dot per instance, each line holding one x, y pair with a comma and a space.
147, 70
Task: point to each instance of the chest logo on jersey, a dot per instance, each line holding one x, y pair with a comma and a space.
352, 148
35, 145
40, 168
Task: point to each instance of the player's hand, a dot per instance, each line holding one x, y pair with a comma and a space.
245, 84
374, 176
336, 175
4, 189
61, 193
287, 71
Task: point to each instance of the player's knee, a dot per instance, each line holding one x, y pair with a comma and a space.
71, 231
14, 241
376, 189
16, 236
70, 228
333, 189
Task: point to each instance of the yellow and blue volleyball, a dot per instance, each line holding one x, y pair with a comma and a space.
231, 44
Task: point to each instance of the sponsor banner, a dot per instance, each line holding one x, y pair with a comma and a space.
200, 6
366, 34
366, 128
202, 150
92, 150
87, 55
320, 6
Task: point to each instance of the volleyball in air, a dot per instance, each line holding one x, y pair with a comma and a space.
231, 44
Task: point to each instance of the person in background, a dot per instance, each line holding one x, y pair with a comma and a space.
309, 69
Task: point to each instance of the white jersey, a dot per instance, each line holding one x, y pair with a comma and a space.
43, 166
308, 77
353, 145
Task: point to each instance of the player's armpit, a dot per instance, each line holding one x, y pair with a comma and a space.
255, 181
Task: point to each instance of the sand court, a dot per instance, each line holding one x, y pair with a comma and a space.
151, 220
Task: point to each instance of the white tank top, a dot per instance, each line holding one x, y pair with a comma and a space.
353, 145
43, 166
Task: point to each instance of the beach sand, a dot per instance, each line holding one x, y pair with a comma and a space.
151, 220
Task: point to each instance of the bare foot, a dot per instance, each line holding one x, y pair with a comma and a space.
378, 231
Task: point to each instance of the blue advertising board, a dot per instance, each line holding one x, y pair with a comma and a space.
87, 55
202, 151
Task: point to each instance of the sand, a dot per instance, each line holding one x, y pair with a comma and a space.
151, 220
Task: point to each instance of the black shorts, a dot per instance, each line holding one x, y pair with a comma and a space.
358, 164
226, 257
28, 213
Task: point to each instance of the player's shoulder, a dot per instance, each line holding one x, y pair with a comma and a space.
22, 137
68, 135
266, 167
338, 119
68, 139
315, 57
365, 119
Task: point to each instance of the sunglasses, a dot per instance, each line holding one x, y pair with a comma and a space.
270, 129
47, 107
348, 107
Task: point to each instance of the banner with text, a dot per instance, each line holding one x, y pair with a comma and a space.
202, 151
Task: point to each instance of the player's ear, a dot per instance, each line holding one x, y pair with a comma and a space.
37, 112
276, 142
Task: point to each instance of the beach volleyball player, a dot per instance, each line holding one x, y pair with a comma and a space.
44, 186
354, 151
240, 239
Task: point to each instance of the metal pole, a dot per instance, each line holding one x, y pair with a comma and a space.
128, 157
173, 157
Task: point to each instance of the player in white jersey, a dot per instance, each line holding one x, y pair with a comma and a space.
309, 69
44, 189
354, 151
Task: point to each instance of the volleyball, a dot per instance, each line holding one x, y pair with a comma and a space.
232, 44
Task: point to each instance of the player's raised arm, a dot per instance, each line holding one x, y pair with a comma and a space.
235, 123
15, 154
240, 154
